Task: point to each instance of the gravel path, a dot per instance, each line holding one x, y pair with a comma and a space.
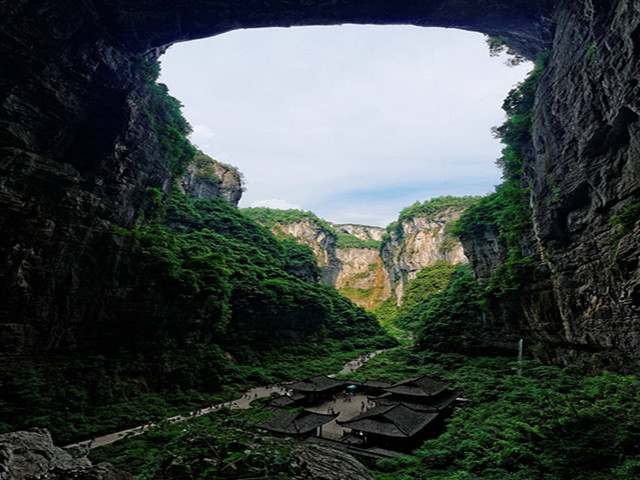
347, 409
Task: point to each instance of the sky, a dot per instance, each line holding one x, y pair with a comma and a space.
351, 122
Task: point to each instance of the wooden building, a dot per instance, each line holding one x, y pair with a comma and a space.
317, 388
296, 423
397, 426
434, 403
287, 401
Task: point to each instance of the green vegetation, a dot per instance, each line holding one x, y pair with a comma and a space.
211, 253
270, 217
419, 291
171, 129
451, 319
626, 221
430, 209
506, 212
206, 167
387, 312
498, 46
345, 240
548, 424
216, 446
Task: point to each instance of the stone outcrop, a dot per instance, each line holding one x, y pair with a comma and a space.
362, 232
362, 278
420, 242
31, 455
207, 178
585, 171
78, 153
368, 275
321, 241
304, 461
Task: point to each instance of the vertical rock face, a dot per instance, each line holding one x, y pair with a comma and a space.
587, 171
362, 278
207, 178
366, 267
582, 304
32, 454
320, 240
420, 242
78, 153
362, 232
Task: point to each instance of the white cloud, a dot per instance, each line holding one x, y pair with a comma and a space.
316, 114
202, 136
277, 203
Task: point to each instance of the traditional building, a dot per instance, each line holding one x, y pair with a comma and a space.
416, 389
287, 401
297, 423
428, 403
397, 426
317, 388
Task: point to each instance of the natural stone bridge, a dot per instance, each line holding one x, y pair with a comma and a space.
77, 152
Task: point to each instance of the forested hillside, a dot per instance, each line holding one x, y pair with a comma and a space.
209, 304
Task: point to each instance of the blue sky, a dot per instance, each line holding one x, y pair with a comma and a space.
353, 122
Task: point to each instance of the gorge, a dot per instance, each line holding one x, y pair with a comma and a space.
117, 284
70, 172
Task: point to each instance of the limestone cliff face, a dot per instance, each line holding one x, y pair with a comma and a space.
370, 275
78, 153
207, 178
585, 172
31, 454
583, 303
357, 273
362, 232
320, 240
362, 278
420, 242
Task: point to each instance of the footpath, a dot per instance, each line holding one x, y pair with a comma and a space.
242, 403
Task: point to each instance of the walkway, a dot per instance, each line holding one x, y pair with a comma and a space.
244, 403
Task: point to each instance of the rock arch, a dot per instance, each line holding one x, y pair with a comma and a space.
76, 151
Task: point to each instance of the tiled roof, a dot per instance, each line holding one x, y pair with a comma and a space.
282, 401
318, 383
295, 423
418, 387
396, 420
427, 404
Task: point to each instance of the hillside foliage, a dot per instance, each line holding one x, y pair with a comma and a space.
273, 218
549, 423
507, 212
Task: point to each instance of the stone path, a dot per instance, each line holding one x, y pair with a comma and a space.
244, 403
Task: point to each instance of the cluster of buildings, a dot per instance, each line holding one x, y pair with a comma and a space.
403, 414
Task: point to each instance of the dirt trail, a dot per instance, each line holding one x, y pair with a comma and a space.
244, 403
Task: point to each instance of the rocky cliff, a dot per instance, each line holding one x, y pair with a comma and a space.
78, 152
363, 262
32, 454
420, 241
208, 178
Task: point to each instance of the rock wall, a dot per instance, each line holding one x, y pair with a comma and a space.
77, 152
209, 179
586, 170
420, 242
362, 278
363, 232
368, 276
320, 240
31, 454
